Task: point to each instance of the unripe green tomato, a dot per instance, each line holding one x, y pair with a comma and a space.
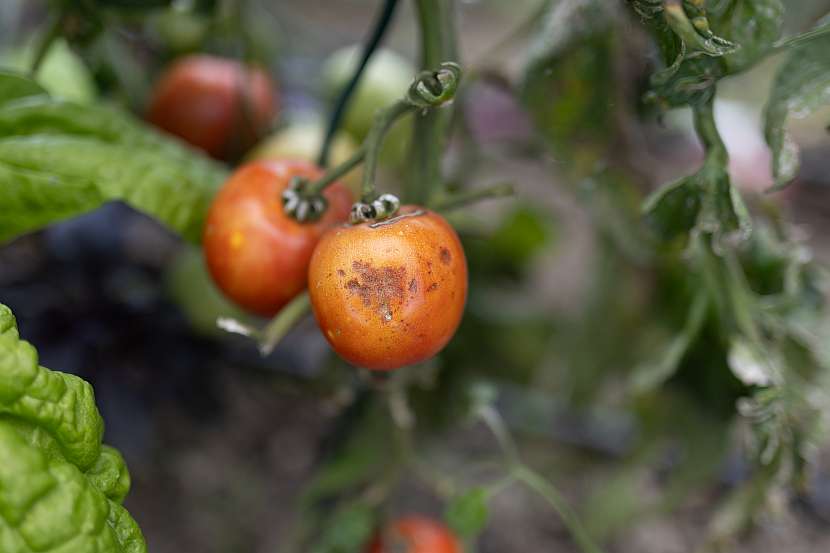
181, 31
190, 286
302, 140
62, 72
385, 81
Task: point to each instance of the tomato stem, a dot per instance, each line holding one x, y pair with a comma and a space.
463, 199
382, 23
283, 322
436, 20
335, 173
707, 131
382, 123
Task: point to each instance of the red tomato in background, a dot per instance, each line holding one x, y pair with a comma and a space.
415, 534
215, 104
256, 254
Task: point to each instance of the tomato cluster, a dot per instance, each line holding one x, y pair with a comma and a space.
385, 293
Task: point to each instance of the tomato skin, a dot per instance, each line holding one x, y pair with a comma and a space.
392, 293
415, 534
215, 104
256, 254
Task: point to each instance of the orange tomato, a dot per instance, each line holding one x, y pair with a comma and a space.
390, 293
256, 254
215, 104
415, 534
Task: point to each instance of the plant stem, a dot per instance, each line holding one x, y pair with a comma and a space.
383, 121
522, 473
546, 490
436, 19
707, 131
283, 322
467, 197
335, 173
495, 423
801, 39
383, 21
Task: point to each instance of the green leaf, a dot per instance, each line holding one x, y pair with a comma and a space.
14, 86
706, 201
800, 88
700, 44
348, 530
59, 159
673, 209
754, 25
566, 86
467, 513
60, 489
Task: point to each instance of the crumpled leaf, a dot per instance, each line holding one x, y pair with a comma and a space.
59, 159
60, 489
800, 88
749, 364
702, 42
706, 201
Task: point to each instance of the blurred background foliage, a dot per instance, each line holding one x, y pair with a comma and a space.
666, 372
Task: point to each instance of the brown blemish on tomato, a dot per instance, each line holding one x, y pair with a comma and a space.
341, 273
378, 288
413, 286
446, 256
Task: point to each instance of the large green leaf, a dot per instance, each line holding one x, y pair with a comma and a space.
59, 159
60, 489
801, 87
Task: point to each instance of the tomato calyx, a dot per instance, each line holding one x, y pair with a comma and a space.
301, 205
385, 206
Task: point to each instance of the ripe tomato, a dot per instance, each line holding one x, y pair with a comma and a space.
390, 293
215, 104
415, 534
257, 255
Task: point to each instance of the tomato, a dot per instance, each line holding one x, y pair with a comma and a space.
385, 81
302, 140
415, 534
215, 104
391, 293
256, 254
180, 30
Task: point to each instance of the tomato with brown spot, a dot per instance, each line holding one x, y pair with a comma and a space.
415, 534
213, 103
391, 293
256, 254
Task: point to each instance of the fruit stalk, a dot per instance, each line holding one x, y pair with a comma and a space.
383, 21
436, 20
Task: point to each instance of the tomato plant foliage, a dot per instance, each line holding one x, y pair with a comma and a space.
62, 489
704, 313
59, 159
